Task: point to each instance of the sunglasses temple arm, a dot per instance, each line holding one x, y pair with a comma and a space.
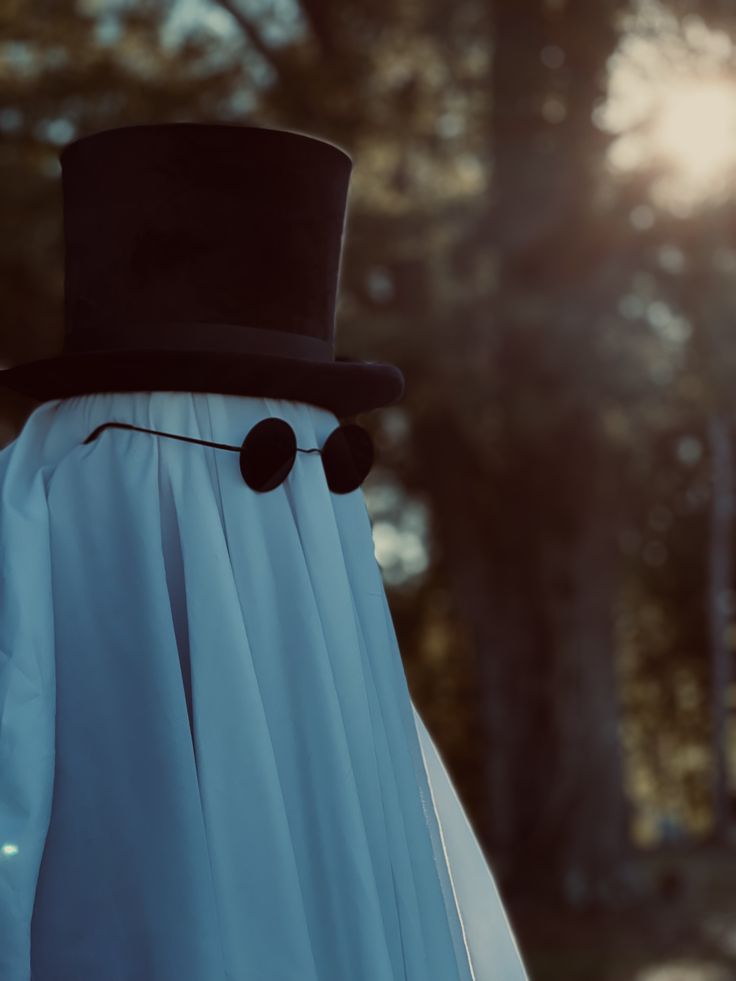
186, 439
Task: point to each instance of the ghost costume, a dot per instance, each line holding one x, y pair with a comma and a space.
211, 768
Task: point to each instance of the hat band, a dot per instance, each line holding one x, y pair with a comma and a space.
199, 336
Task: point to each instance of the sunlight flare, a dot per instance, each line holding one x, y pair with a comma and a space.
695, 129
671, 104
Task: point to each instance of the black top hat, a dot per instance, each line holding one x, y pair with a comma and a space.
205, 257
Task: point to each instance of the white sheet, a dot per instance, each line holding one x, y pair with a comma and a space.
210, 764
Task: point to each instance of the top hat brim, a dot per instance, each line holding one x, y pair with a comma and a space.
345, 386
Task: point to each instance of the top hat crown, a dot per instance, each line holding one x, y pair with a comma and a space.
205, 257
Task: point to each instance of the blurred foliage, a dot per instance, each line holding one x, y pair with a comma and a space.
565, 334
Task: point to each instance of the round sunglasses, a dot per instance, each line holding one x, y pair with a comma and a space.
268, 452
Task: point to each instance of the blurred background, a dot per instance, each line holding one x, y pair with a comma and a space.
542, 234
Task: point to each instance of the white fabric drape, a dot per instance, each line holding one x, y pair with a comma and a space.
210, 764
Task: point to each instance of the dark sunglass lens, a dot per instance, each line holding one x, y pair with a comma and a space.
347, 456
267, 454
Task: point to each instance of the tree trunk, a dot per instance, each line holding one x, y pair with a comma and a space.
720, 601
587, 812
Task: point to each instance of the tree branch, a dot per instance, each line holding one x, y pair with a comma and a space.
319, 24
253, 34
